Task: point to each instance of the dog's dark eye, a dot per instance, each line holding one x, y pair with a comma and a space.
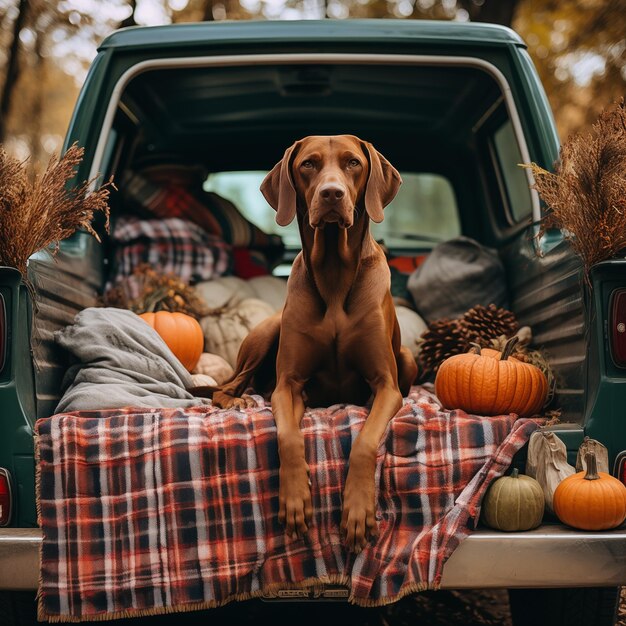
354, 163
307, 165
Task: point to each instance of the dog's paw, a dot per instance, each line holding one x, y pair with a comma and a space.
223, 400
294, 500
226, 401
252, 402
358, 519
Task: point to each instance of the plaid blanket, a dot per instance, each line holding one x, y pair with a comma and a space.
147, 511
214, 213
169, 201
173, 246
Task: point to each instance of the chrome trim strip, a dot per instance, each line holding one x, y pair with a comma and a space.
19, 558
551, 556
306, 58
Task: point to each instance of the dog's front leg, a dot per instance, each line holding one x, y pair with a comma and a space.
358, 521
255, 349
295, 510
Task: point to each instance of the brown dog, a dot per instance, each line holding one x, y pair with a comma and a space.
337, 338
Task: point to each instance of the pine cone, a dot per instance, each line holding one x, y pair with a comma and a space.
443, 339
481, 324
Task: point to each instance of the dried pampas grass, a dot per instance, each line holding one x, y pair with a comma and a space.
36, 215
147, 290
587, 193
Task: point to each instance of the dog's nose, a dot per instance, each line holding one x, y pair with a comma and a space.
332, 193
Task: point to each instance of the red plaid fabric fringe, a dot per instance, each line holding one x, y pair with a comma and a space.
147, 511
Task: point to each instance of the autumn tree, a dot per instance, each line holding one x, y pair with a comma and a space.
129, 20
12, 66
578, 48
38, 86
492, 11
212, 10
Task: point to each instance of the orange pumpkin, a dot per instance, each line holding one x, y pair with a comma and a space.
590, 500
181, 333
489, 382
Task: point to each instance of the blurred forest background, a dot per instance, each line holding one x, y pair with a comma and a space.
46, 46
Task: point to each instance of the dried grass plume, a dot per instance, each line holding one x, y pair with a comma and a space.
587, 193
147, 290
36, 215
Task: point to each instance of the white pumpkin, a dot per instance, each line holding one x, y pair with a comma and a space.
411, 328
226, 328
231, 290
214, 366
224, 291
202, 380
270, 289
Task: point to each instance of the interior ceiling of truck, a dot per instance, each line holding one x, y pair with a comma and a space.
237, 118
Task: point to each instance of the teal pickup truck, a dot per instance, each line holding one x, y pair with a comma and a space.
455, 107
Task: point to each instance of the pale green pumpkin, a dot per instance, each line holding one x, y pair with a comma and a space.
513, 503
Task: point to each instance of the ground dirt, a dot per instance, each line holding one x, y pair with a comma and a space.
441, 608
621, 612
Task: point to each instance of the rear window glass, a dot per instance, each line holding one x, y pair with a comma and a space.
423, 213
513, 176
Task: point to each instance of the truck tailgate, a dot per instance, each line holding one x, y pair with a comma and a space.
549, 556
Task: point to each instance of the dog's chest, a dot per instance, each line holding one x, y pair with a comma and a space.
332, 386
337, 378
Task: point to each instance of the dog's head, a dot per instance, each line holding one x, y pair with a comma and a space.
329, 176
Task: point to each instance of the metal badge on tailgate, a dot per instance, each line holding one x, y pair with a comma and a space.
322, 593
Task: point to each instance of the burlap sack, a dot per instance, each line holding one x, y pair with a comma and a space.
457, 275
602, 455
547, 463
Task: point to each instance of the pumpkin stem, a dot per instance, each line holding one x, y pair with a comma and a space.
514, 473
475, 348
153, 300
508, 348
592, 467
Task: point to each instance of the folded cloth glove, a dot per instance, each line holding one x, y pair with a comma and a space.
121, 361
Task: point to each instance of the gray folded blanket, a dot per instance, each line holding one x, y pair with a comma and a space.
122, 361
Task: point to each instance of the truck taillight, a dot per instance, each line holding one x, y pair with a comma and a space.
3, 333
617, 327
5, 497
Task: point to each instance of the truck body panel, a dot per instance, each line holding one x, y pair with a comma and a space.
546, 281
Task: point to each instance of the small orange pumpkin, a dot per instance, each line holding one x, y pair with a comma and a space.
488, 382
590, 500
182, 334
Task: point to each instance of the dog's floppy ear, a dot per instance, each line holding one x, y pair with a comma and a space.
382, 185
278, 189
